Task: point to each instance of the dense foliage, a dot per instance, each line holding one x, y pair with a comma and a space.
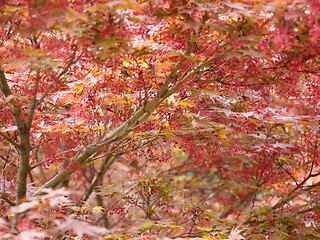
159, 119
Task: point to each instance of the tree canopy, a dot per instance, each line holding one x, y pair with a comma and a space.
149, 119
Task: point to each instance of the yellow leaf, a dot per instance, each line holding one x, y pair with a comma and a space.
254, 121
108, 237
203, 228
76, 209
98, 128
125, 63
79, 88
185, 104
172, 226
64, 127
221, 133
173, 54
147, 225
85, 208
133, 5
98, 209
150, 41
110, 99
145, 65
154, 118
164, 65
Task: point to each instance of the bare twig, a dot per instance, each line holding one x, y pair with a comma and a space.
57, 155
284, 169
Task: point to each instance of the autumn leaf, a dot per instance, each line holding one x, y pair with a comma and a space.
235, 234
164, 119
203, 228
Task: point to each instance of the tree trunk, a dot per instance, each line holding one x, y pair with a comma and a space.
23, 170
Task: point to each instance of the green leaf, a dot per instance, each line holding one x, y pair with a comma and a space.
221, 133
148, 225
172, 227
107, 43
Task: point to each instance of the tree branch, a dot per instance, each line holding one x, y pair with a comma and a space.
293, 194
5, 89
317, 207
34, 102
10, 140
107, 162
11, 203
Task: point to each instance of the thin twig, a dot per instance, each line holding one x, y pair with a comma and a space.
57, 155
309, 209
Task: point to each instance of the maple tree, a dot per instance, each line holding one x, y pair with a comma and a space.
177, 118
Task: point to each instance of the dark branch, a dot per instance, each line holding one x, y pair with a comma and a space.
7, 200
